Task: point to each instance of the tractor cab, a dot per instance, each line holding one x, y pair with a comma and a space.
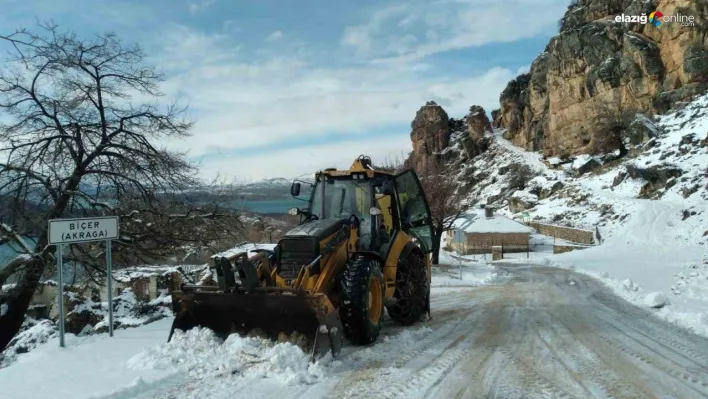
379, 203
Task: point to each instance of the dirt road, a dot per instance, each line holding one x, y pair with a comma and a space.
540, 333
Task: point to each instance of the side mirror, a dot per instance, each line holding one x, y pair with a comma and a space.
293, 211
388, 188
295, 189
374, 211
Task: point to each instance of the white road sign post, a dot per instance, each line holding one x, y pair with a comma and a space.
68, 231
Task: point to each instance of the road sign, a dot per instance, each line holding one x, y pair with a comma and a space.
68, 231
63, 231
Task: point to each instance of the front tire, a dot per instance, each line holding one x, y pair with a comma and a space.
411, 296
362, 294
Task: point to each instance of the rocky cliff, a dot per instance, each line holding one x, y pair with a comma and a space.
430, 134
432, 131
597, 73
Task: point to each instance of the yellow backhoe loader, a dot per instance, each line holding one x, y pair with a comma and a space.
363, 244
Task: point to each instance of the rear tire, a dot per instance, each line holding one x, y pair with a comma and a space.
362, 294
412, 289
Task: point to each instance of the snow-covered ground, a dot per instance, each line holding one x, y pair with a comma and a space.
547, 333
128, 312
139, 359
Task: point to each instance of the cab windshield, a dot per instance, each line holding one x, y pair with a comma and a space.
342, 198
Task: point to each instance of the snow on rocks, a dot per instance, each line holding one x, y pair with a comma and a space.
250, 248
585, 163
128, 311
554, 161
522, 200
86, 317
33, 334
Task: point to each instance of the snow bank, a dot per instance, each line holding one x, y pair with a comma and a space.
658, 252
128, 311
88, 367
655, 300
201, 354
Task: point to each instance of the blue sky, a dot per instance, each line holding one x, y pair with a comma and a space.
285, 87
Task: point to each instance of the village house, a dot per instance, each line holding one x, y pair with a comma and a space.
477, 233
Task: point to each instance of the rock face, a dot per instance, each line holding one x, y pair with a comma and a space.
430, 134
477, 123
521, 201
597, 72
655, 177
496, 118
478, 129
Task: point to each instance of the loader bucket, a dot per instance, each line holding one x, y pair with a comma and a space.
283, 317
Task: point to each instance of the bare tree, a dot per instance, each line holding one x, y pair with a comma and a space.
610, 126
74, 143
519, 175
447, 198
391, 164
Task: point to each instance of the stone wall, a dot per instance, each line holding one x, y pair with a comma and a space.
482, 243
492, 239
564, 233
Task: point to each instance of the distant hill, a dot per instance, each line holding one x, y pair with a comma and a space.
274, 188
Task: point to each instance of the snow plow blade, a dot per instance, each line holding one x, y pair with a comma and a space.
309, 321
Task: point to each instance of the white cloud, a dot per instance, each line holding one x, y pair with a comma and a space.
239, 107
274, 36
299, 161
243, 100
421, 28
360, 37
199, 6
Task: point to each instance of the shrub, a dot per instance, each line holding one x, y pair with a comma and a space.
519, 176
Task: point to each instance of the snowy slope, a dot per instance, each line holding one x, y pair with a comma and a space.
655, 233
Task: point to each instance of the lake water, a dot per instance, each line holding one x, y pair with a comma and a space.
8, 251
278, 206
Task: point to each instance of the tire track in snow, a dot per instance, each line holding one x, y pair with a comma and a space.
652, 365
571, 330
601, 372
667, 333
360, 383
416, 371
